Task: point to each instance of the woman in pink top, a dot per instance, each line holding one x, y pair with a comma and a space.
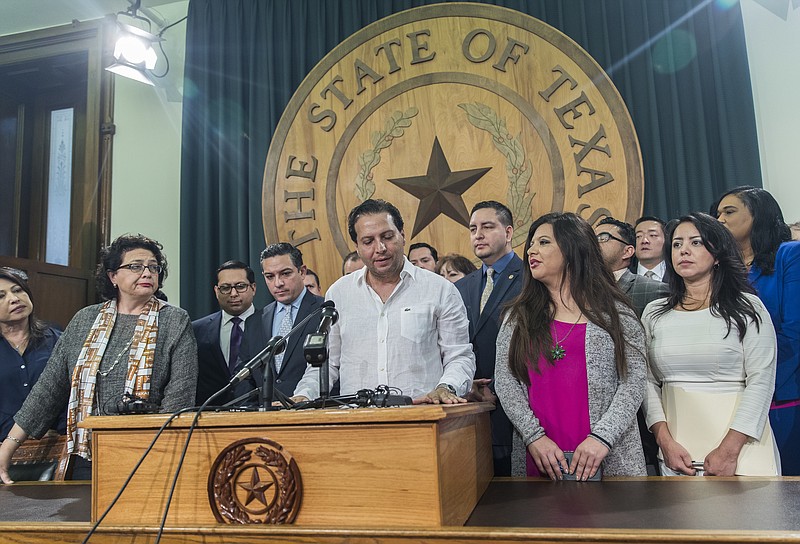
570, 369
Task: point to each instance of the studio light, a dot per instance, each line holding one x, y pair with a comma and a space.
134, 55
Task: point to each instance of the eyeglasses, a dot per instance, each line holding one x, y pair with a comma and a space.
225, 289
604, 237
138, 268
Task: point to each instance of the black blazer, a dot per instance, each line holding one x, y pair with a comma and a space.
213, 373
483, 328
258, 330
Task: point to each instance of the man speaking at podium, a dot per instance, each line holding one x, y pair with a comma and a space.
398, 325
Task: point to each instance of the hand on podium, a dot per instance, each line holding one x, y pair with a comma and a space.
480, 391
440, 395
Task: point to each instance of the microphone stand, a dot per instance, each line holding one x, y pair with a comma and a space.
267, 388
276, 344
324, 384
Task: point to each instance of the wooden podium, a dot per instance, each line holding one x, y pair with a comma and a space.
410, 466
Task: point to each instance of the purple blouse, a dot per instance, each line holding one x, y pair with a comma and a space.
559, 393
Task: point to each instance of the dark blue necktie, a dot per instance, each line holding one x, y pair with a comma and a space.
236, 342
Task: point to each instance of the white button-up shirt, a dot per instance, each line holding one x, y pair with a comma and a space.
658, 272
416, 340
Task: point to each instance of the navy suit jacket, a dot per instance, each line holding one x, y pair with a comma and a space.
213, 373
258, 330
483, 328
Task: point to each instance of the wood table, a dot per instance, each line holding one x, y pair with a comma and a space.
650, 510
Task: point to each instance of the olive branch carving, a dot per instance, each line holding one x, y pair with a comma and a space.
518, 166
288, 485
394, 128
227, 505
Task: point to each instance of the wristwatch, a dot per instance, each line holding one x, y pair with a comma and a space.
447, 386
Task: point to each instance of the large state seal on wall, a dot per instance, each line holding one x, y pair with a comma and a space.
437, 108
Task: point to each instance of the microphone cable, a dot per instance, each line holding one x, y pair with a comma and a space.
133, 472
324, 305
186, 443
182, 458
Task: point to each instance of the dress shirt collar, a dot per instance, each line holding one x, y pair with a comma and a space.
659, 270
499, 265
295, 304
619, 273
226, 317
409, 270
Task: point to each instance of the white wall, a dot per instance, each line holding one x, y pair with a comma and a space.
145, 194
773, 50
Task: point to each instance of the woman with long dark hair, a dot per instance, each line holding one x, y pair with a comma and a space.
712, 353
570, 369
26, 343
755, 219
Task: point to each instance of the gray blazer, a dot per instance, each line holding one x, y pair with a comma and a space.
642, 291
613, 402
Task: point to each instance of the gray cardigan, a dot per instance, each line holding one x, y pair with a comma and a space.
613, 402
172, 385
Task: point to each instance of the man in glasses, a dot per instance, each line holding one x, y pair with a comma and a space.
618, 244
219, 335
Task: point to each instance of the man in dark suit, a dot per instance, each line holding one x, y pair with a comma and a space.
284, 273
617, 242
484, 292
218, 342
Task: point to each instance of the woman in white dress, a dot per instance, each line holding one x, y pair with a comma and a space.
712, 357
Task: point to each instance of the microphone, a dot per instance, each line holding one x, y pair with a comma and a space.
276, 344
315, 347
328, 318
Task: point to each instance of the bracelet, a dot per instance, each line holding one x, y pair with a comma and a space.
602, 440
17, 440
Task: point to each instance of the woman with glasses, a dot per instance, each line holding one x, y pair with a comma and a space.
133, 345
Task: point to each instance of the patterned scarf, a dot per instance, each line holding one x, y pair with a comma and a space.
84, 377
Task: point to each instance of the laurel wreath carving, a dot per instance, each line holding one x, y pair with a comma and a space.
287, 490
518, 166
393, 128
228, 507
288, 486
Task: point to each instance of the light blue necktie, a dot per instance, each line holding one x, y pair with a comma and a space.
283, 330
